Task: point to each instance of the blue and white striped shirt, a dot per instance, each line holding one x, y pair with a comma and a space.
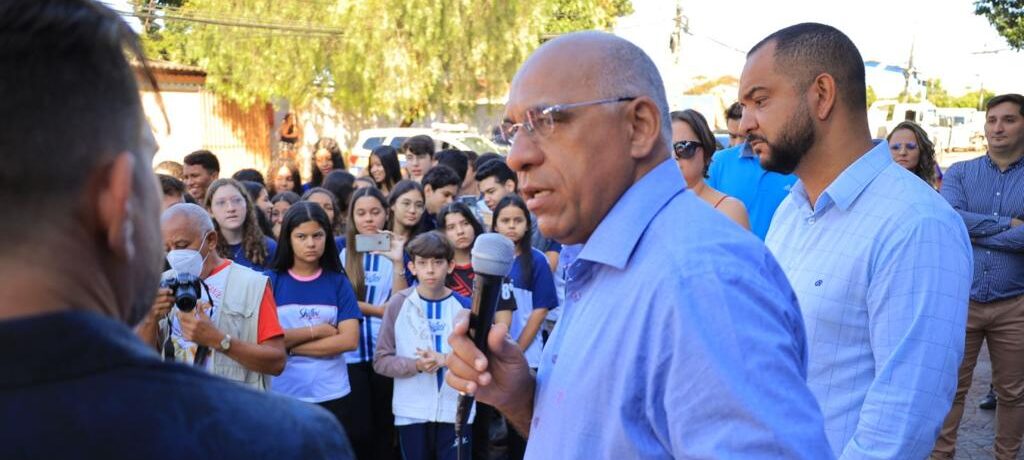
987, 199
377, 276
881, 265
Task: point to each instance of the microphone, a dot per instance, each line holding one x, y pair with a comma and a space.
492, 258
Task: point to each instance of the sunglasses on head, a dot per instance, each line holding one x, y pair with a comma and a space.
897, 147
684, 150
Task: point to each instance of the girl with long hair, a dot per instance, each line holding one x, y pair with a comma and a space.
461, 227
385, 170
372, 275
234, 218
326, 158
318, 311
283, 176
407, 206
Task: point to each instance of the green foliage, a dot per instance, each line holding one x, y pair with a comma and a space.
393, 59
938, 95
871, 96
571, 15
1007, 16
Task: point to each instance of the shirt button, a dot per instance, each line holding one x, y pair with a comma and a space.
810, 220
997, 193
995, 213
576, 295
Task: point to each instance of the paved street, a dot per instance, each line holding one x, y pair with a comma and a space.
977, 430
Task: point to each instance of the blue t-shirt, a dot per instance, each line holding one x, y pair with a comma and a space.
737, 172
326, 298
538, 291
237, 254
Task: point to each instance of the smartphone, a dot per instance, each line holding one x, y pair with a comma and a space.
369, 243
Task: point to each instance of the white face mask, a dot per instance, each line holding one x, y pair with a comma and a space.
187, 260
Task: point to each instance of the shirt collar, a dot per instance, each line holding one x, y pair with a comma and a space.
1013, 165
845, 189
617, 235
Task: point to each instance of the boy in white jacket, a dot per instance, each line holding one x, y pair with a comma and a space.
412, 347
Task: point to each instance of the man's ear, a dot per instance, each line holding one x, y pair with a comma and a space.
824, 95
644, 120
114, 205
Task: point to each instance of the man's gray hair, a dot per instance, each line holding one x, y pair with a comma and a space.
197, 217
629, 71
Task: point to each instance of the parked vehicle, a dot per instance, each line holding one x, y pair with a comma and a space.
456, 136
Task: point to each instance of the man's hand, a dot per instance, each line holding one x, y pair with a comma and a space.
504, 381
197, 327
162, 304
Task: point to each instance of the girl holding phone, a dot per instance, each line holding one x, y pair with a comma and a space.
407, 204
373, 276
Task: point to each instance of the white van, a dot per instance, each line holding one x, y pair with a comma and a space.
446, 136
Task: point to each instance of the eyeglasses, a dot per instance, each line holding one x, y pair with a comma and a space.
909, 145
541, 120
684, 150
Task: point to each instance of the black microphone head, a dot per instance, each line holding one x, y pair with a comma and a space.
493, 255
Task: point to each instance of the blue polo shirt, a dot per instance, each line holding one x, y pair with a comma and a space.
736, 171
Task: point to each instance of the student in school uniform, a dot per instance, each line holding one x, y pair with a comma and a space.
532, 286
373, 275
412, 348
317, 310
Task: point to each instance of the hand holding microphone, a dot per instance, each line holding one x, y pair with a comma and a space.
485, 363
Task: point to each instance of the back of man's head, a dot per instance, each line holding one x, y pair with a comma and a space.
77, 153
804, 51
454, 159
70, 103
498, 170
204, 158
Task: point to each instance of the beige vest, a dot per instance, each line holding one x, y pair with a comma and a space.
238, 316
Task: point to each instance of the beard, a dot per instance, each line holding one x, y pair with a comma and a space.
796, 139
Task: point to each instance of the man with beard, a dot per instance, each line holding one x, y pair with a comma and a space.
82, 262
880, 263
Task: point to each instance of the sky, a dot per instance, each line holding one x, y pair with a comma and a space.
945, 34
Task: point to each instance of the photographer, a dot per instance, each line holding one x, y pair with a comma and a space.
224, 335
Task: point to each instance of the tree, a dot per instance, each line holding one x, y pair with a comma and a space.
392, 59
1007, 16
871, 96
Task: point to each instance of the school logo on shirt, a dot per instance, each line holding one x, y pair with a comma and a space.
436, 326
309, 314
373, 277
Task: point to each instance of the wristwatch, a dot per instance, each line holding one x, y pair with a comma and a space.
225, 343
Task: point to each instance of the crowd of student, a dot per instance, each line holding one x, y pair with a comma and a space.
361, 333
364, 333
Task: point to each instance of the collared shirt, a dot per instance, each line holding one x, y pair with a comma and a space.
680, 339
79, 385
881, 266
737, 172
987, 199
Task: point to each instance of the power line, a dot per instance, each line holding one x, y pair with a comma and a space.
149, 12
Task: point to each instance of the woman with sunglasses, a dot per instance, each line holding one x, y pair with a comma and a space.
692, 146
911, 149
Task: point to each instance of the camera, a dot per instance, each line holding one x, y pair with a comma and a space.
185, 287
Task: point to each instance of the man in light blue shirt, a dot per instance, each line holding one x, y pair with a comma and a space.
881, 263
737, 172
680, 337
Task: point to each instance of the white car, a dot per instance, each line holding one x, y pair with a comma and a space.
445, 136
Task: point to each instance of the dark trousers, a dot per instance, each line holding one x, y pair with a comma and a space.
370, 407
434, 441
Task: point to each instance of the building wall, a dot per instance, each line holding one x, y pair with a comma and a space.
197, 119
